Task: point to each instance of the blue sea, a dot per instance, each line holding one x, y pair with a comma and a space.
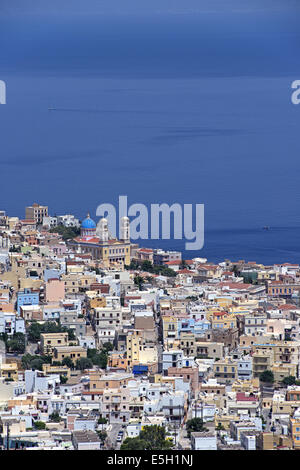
164, 108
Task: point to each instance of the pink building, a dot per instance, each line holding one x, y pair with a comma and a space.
55, 290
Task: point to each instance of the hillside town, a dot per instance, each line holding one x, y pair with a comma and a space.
103, 341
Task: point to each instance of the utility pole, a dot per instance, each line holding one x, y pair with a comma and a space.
7, 436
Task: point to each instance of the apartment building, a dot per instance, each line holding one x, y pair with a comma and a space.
36, 212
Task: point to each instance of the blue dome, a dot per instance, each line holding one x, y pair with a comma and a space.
88, 223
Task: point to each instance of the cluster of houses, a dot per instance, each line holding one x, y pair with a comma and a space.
219, 342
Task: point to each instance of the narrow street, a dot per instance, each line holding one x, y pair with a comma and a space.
112, 434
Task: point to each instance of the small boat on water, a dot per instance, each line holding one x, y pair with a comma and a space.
266, 227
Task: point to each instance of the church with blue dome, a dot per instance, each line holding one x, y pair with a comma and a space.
88, 227
96, 240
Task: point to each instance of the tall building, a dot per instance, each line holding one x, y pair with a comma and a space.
36, 212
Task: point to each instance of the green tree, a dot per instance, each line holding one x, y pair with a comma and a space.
16, 343
63, 379
98, 358
36, 329
56, 363
133, 443
67, 233
34, 332
147, 266
54, 417
67, 361
102, 436
150, 438
139, 281
195, 425
102, 420
35, 362
26, 360
290, 380
84, 363
220, 427
155, 437
107, 347
267, 376
39, 425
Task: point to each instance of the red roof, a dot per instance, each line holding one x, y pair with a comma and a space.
87, 240
234, 285
288, 307
240, 396
220, 314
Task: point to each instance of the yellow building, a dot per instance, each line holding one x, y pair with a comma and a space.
137, 352
97, 302
284, 408
164, 305
285, 354
134, 344
73, 352
12, 222
170, 327
267, 275
262, 360
77, 281
225, 371
75, 268
188, 344
100, 382
281, 371
49, 341
97, 241
61, 370
72, 284
294, 428
223, 320
224, 420
246, 386
209, 349
245, 305
223, 302
9, 371
266, 441
118, 360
